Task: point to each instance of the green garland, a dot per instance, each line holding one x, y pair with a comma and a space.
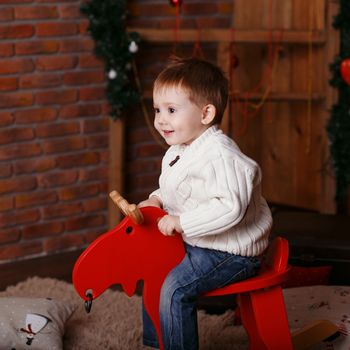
339, 124
115, 46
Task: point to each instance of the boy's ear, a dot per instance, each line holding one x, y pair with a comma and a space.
208, 115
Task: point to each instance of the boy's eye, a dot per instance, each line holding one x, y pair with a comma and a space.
171, 110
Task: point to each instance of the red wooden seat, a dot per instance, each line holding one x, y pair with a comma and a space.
261, 301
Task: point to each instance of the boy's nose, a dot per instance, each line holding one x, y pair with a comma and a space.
161, 119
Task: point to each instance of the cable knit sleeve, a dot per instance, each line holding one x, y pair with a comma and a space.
228, 183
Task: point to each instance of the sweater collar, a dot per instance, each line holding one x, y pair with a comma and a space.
199, 141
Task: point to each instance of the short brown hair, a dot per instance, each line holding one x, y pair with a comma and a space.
204, 81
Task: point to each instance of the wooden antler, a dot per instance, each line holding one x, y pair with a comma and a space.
127, 209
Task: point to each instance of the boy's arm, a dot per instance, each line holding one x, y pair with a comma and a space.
154, 200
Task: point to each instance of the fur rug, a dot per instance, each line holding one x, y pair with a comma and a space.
115, 320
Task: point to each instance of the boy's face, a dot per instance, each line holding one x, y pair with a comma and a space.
177, 118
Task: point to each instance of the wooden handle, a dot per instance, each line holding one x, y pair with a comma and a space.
127, 209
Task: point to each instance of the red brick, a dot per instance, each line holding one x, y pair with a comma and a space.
84, 222
104, 156
75, 160
90, 236
96, 125
79, 110
37, 115
35, 198
16, 66
8, 84
56, 29
64, 242
43, 230
36, 47
6, 14
94, 204
37, 165
62, 210
19, 151
66, 144
18, 99
199, 8
83, 27
15, 134
78, 192
140, 165
97, 141
6, 203
56, 97
94, 174
5, 170
153, 10
6, 118
84, 78
18, 184
55, 1
16, 31
92, 94
90, 61
77, 45
56, 63
20, 250
10, 235
70, 11
6, 49
144, 181
40, 81
15, 1
19, 217
149, 150
36, 12
55, 179
62, 129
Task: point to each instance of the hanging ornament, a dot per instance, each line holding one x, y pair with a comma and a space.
345, 70
175, 2
112, 74
133, 47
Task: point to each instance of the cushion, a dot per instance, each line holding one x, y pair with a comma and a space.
308, 276
32, 323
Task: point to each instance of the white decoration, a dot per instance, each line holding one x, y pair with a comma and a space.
133, 47
112, 74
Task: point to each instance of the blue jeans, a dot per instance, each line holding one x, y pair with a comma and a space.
201, 270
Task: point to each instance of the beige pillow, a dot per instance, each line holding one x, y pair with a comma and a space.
32, 323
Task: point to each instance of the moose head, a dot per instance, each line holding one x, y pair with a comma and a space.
134, 250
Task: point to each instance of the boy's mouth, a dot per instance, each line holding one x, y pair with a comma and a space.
167, 132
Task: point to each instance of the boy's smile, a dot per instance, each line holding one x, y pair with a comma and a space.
177, 118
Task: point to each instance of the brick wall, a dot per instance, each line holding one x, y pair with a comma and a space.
53, 130
54, 123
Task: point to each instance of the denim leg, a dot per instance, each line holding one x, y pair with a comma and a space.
150, 337
201, 270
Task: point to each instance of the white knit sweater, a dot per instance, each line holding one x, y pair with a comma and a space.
216, 191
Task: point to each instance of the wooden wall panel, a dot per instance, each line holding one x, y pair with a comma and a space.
287, 136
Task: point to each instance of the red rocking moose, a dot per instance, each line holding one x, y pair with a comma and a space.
136, 250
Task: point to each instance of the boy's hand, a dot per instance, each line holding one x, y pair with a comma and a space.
150, 202
168, 224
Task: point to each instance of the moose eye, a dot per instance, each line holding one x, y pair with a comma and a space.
129, 229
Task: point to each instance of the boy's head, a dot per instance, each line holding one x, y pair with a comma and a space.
204, 83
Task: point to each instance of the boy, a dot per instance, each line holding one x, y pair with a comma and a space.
211, 192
